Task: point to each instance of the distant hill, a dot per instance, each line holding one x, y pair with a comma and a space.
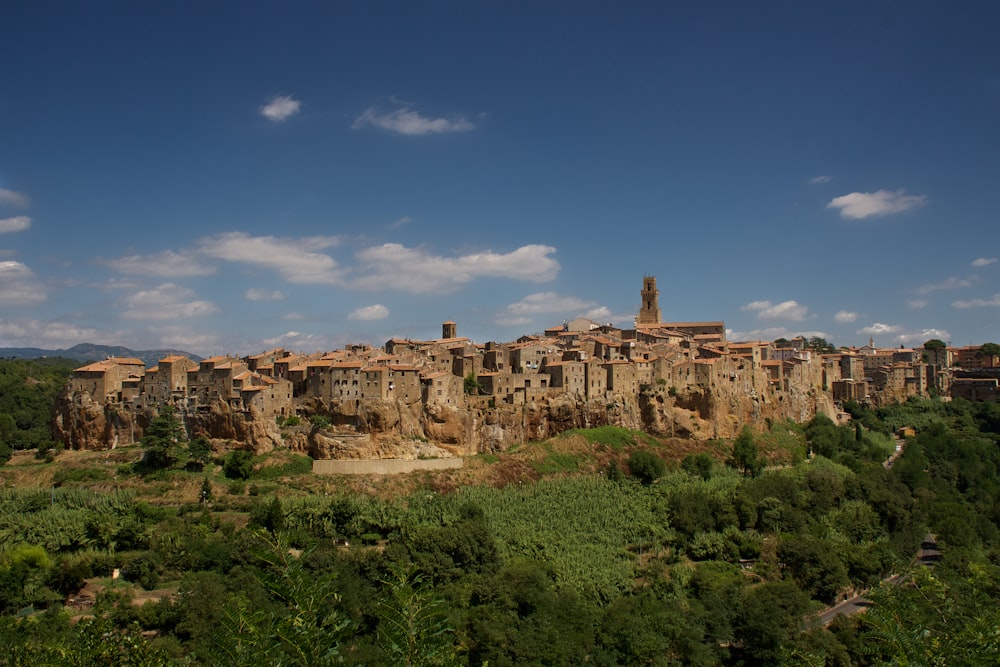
91, 352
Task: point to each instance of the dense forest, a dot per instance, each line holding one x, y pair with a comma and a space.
28, 390
724, 557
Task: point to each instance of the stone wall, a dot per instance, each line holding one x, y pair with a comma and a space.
382, 466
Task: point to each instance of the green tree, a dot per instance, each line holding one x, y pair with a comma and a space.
7, 429
238, 465
646, 466
745, 454
300, 623
320, 422
770, 617
699, 465
935, 344
814, 566
200, 450
413, 628
988, 350
819, 345
162, 438
471, 384
935, 619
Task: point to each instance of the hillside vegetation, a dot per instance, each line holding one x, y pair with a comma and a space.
28, 390
602, 546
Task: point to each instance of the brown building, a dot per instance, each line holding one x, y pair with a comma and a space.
103, 380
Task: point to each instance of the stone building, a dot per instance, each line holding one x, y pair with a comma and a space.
103, 380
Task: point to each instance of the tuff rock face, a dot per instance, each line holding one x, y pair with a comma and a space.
394, 429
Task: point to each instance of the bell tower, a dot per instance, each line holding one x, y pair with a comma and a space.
649, 311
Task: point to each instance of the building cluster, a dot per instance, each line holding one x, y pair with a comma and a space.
581, 359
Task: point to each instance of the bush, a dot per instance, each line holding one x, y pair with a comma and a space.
699, 465
646, 466
238, 465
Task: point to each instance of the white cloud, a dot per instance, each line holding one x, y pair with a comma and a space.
818, 180
917, 304
977, 303
259, 294
600, 314
166, 302
18, 286
512, 321
294, 259
845, 316
53, 334
14, 198
878, 328
394, 266
375, 311
280, 108
984, 261
405, 220
293, 317
183, 338
860, 205
300, 341
786, 310
925, 335
284, 339
949, 283
548, 303
770, 333
15, 224
407, 121
166, 264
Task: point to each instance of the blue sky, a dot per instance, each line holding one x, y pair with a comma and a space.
226, 177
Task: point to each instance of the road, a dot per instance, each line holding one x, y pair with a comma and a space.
928, 555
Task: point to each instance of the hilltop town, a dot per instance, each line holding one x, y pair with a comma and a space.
451, 396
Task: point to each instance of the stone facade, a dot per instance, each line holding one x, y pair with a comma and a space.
671, 378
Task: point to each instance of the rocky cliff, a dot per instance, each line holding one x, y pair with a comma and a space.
394, 429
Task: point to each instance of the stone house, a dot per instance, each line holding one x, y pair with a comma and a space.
529, 357
596, 378
568, 375
168, 381
845, 390
441, 388
272, 397
254, 362
495, 357
976, 389
621, 377
104, 380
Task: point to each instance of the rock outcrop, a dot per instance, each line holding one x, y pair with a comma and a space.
395, 429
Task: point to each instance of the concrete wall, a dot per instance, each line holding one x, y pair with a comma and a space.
382, 466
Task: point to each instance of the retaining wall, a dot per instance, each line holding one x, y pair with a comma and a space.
381, 466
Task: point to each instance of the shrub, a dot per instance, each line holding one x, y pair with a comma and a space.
238, 465
646, 466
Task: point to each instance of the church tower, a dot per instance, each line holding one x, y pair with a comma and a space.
449, 330
649, 312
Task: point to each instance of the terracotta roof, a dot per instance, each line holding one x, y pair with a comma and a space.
215, 360
174, 358
111, 362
